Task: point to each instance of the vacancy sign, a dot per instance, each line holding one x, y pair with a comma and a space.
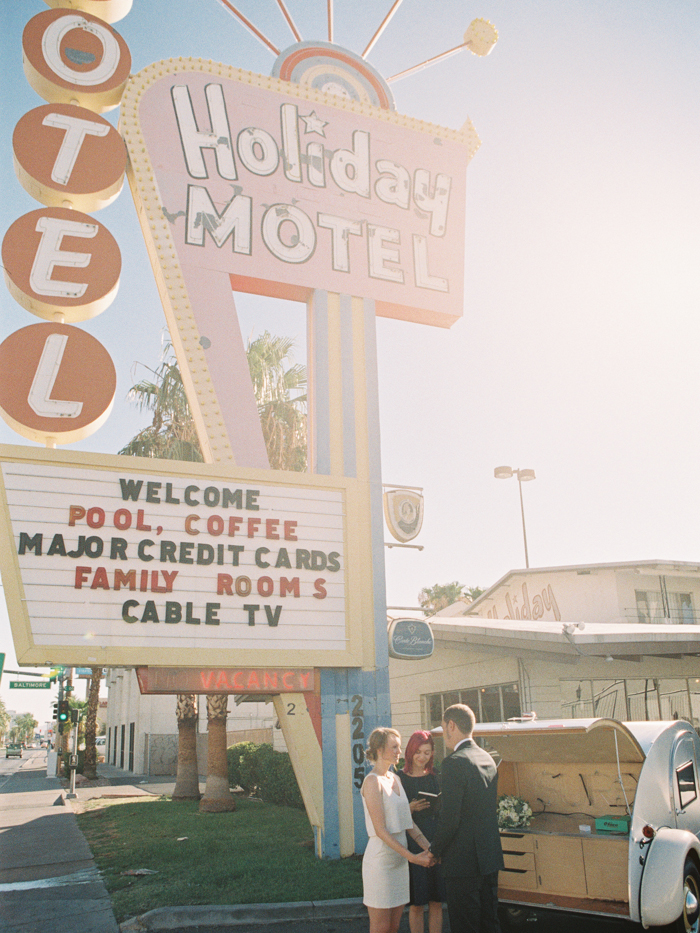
116, 563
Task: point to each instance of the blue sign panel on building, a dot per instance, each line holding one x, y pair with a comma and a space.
410, 639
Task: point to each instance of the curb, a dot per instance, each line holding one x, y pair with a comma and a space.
179, 918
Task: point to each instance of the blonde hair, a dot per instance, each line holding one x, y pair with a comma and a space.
377, 740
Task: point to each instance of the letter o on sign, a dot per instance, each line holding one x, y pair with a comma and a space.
75, 57
58, 383
288, 233
59, 261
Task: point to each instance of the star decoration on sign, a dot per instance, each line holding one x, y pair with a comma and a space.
314, 124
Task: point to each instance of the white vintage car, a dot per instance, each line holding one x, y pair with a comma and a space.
616, 819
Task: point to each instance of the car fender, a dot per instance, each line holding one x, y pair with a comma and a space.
661, 891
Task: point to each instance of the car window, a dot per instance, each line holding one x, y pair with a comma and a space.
687, 784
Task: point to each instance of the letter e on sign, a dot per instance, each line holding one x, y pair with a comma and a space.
73, 56
61, 261
63, 152
58, 383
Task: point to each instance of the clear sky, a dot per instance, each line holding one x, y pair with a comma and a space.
577, 353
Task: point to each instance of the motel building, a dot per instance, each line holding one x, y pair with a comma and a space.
617, 640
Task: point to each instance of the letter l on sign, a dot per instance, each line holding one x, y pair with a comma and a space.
44, 378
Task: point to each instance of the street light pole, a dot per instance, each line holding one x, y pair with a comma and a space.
522, 513
523, 476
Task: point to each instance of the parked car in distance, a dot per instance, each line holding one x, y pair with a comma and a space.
616, 819
13, 750
100, 740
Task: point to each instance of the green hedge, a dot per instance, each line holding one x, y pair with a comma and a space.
234, 754
260, 769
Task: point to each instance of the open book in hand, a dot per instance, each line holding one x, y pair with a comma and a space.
433, 799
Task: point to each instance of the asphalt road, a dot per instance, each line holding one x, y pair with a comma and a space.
546, 922
8, 766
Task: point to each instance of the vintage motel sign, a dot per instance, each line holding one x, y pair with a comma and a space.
259, 184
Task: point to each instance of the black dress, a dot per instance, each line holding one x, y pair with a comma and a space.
426, 883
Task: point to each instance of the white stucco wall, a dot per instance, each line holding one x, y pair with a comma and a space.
588, 594
447, 669
570, 596
544, 685
155, 744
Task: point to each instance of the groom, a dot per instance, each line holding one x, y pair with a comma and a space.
467, 839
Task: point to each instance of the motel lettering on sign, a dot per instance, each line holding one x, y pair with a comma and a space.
59, 263
284, 191
256, 184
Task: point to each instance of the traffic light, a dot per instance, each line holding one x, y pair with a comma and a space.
55, 710
63, 711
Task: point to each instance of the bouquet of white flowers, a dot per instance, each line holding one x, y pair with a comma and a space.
513, 812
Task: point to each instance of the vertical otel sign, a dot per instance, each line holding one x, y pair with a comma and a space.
60, 263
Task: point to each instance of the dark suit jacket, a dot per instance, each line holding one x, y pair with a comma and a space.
467, 838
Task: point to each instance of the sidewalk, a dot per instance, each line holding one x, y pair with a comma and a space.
49, 881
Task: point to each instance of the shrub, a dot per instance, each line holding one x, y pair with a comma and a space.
235, 754
278, 783
254, 765
260, 768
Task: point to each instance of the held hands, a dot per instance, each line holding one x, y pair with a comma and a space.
426, 859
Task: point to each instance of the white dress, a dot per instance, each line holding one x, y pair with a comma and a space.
385, 872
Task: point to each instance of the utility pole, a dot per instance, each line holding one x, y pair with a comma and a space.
65, 731
73, 763
58, 737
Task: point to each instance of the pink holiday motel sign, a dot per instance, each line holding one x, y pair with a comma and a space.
286, 191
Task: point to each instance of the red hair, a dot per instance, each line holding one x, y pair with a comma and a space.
414, 743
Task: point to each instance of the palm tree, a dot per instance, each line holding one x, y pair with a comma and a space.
26, 725
93, 702
171, 434
4, 720
279, 391
434, 598
217, 794
187, 780
281, 397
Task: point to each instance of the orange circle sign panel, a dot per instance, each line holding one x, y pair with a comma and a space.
59, 261
108, 10
58, 383
63, 152
74, 56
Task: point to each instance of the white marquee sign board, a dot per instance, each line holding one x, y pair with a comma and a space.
154, 564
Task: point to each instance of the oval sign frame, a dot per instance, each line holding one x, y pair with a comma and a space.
410, 639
